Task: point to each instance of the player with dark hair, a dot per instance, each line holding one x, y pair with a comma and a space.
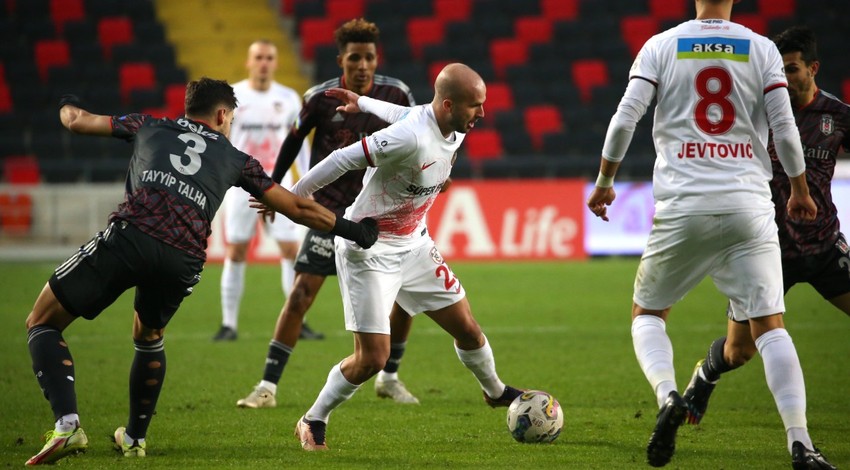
156, 242
815, 252
358, 58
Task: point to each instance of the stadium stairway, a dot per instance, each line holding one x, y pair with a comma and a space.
211, 38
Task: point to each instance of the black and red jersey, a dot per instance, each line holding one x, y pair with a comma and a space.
824, 126
178, 175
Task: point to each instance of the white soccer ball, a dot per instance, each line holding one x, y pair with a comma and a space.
535, 416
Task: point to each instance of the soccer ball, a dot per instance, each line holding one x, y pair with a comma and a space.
535, 416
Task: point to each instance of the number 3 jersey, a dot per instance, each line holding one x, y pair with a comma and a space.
179, 173
710, 127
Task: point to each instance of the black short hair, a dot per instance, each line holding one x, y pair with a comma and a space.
798, 39
205, 95
357, 30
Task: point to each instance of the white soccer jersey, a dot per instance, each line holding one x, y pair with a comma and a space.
261, 123
407, 164
710, 127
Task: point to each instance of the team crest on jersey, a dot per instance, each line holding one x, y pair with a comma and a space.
278, 107
827, 125
842, 246
436, 256
337, 117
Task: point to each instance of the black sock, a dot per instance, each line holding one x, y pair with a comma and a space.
275, 361
394, 361
146, 376
54, 368
715, 364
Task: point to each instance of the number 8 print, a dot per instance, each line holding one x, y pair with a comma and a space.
717, 98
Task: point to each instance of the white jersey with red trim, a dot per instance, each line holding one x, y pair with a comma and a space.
261, 122
408, 163
710, 127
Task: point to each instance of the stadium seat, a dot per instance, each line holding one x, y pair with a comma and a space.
51, 53
6, 106
64, 11
21, 169
668, 9
15, 213
499, 99
340, 11
635, 30
559, 9
434, 69
452, 10
422, 32
533, 30
541, 119
777, 8
174, 97
483, 144
314, 32
507, 52
303, 9
112, 31
588, 74
135, 76
845, 90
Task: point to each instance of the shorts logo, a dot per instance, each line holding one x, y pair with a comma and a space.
435, 255
826, 124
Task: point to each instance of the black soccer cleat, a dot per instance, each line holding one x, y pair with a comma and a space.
662, 442
225, 333
696, 395
505, 399
805, 459
308, 333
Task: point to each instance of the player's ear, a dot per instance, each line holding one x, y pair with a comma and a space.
339, 60
815, 67
220, 116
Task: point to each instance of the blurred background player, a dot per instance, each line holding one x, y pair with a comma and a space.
720, 89
814, 252
266, 111
357, 41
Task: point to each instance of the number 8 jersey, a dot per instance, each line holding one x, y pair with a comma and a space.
710, 127
179, 173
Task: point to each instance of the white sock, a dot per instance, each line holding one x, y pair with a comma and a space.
482, 364
386, 376
785, 380
67, 423
654, 353
232, 286
129, 440
287, 275
271, 387
336, 391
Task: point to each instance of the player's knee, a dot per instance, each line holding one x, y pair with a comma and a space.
738, 355
300, 299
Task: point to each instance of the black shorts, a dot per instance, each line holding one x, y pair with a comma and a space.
827, 272
117, 259
317, 254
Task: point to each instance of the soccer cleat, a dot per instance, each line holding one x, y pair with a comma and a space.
225, 333
805, 459
662, 442
505, 399
136, 449
396, 390
308, 333
696, 395
260, 397
60, 444
311, 434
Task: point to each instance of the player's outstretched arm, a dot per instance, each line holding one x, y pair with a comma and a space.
80, 121
312, 214
354, 103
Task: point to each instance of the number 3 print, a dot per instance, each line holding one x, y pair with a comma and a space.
196, 146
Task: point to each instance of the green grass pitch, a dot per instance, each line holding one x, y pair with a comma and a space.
560, 327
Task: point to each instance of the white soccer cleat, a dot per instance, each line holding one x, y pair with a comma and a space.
260, 397
396, 390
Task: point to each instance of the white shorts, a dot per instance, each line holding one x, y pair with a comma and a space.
418, 279
739, 251
240, 220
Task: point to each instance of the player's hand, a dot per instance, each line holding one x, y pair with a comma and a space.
369, 233
265, 211
802, 208
348, 98
599, 201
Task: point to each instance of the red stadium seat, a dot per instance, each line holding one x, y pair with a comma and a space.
63, 11
6, 106
483, 144
507, 52
754, 21
533, 30
422, 32
669, 9
588, 74
452, 10
135, 76
499, 98
636, 30
434, 69
845, 90
112, 31
175, 99
50, 53
771, 9
559, 10
340, 11
314, 32
15, 213
542, 119
21, 169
